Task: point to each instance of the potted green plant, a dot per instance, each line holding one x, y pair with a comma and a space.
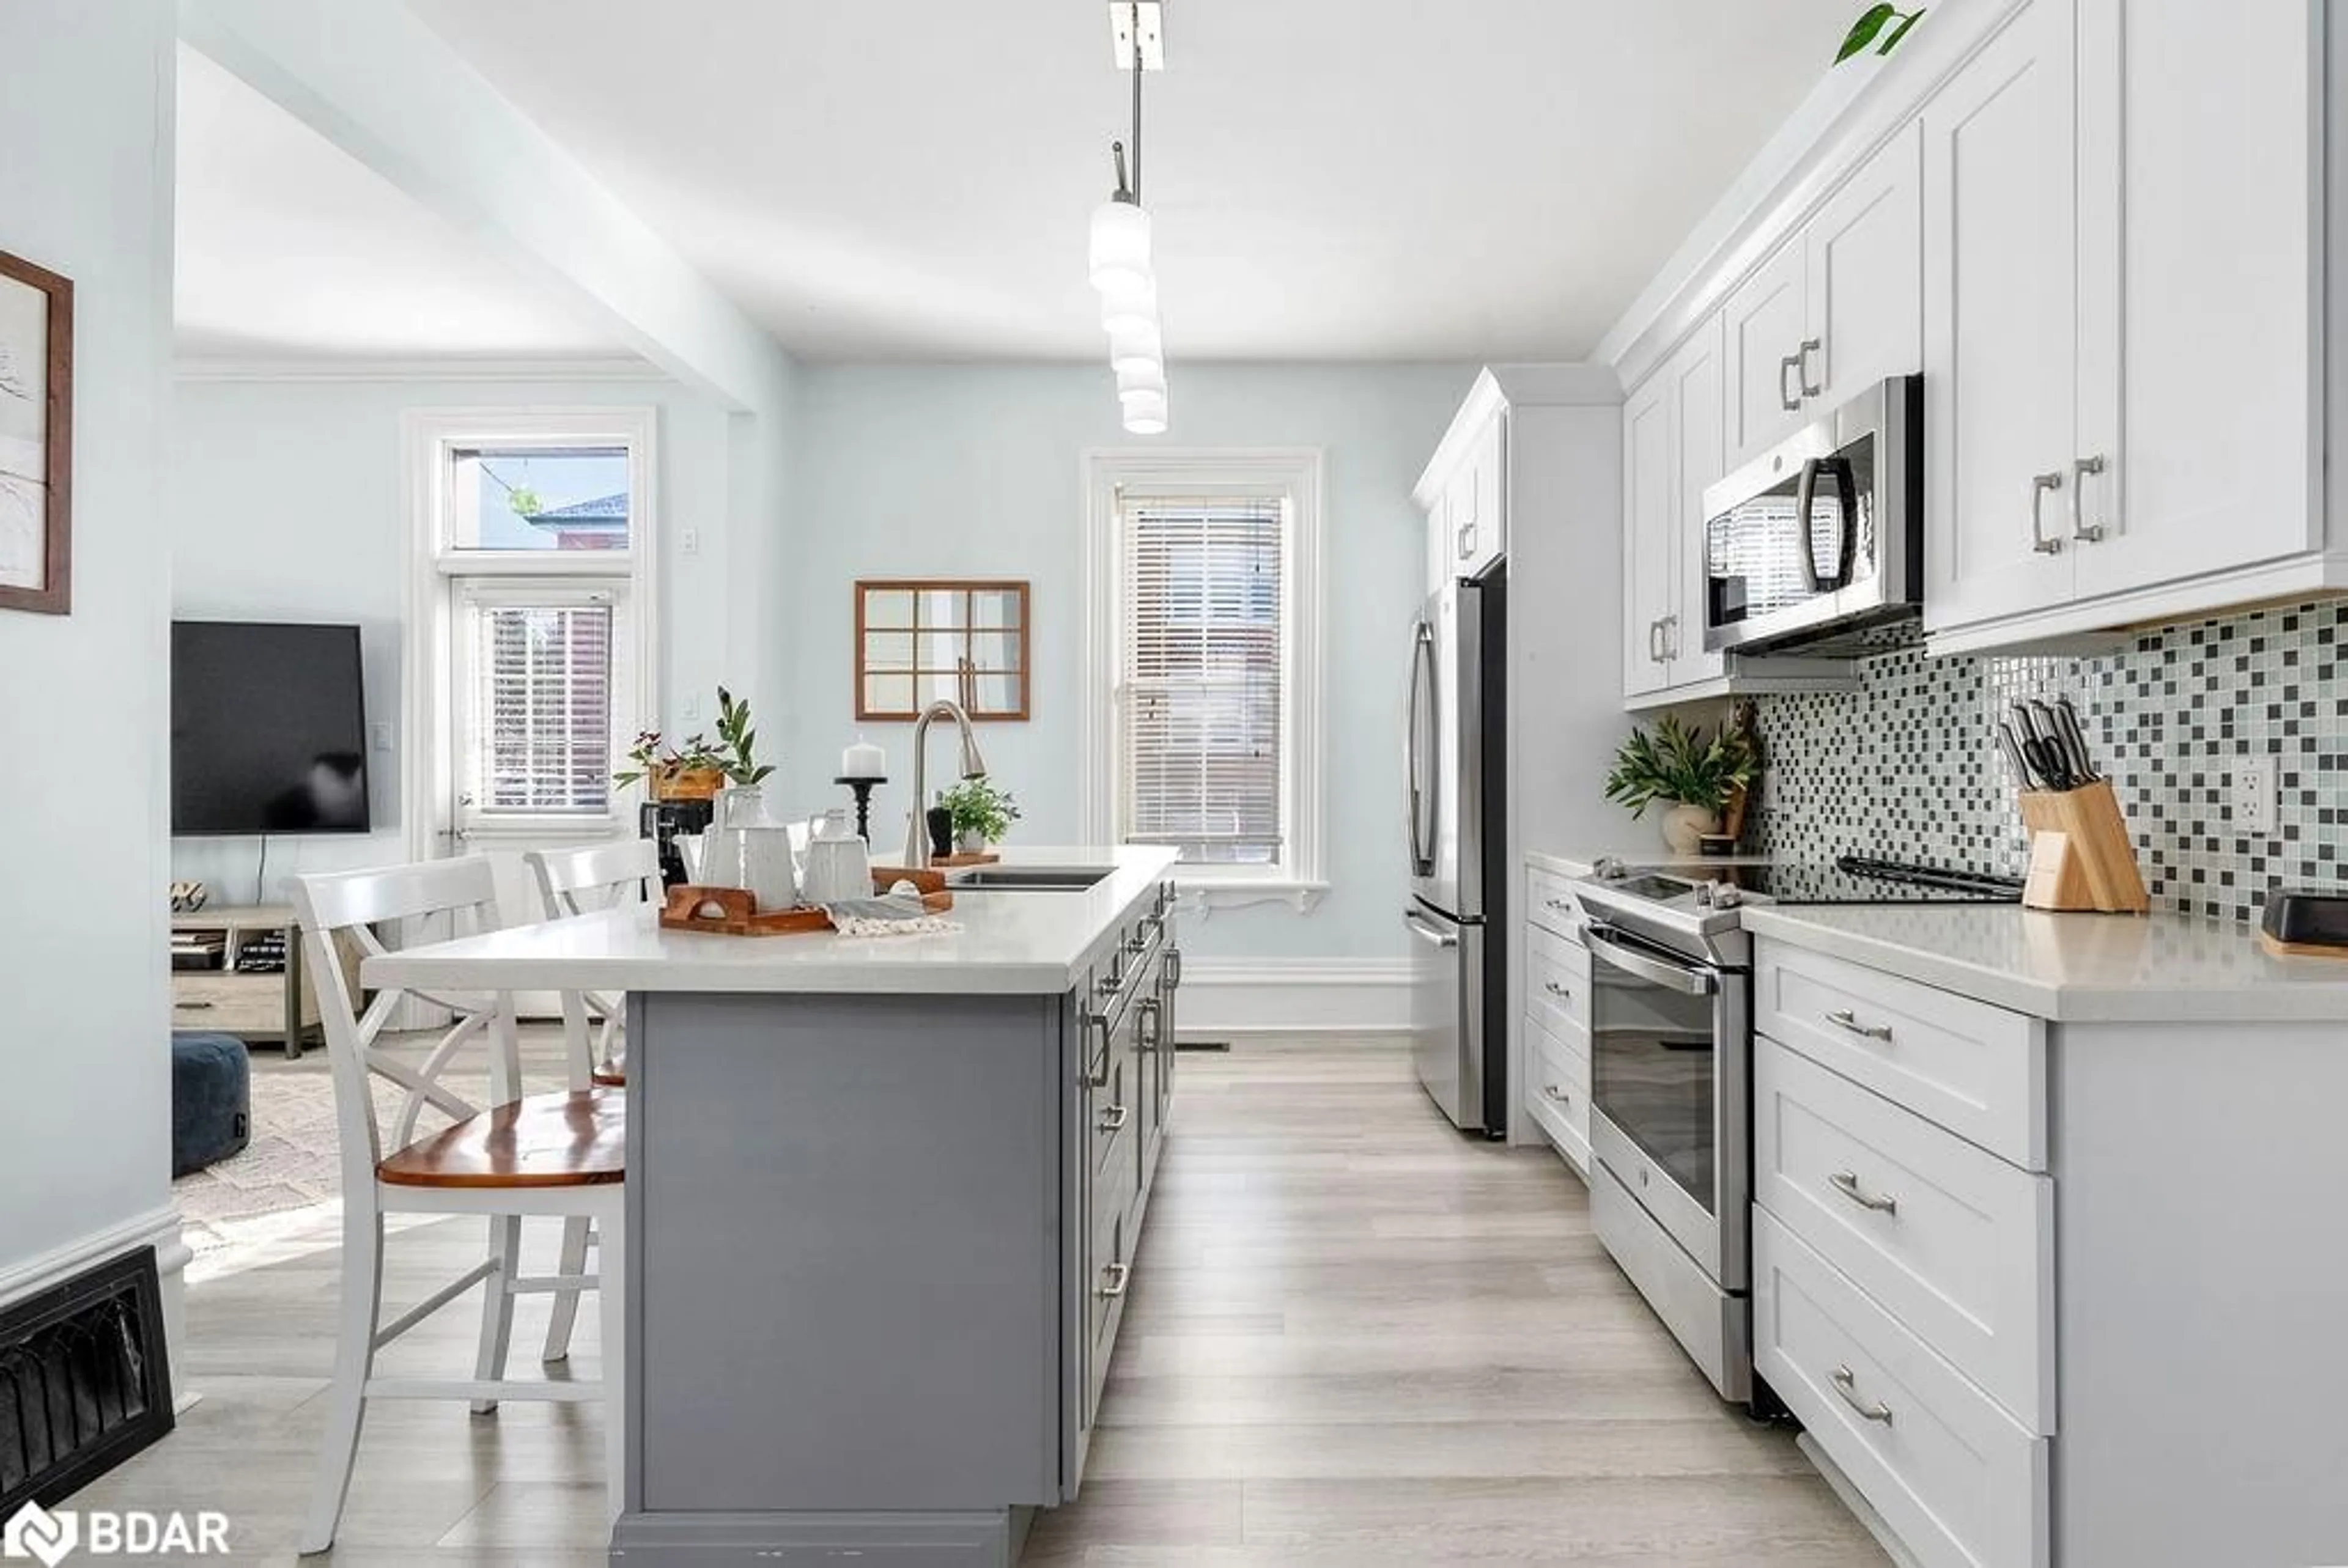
1678, 764
688, 770
737, 741
982, 813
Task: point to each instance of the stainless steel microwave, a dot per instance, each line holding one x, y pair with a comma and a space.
1817, 545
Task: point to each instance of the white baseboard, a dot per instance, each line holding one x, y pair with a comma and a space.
1225, 997
159, 1228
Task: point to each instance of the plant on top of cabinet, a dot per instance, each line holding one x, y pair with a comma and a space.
982, 813
1676, 763
1871, 23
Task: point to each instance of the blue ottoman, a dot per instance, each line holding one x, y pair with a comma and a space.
211, 1099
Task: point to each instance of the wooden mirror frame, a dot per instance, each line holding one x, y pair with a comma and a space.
969, 589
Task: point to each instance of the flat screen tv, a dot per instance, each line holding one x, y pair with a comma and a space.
268, 729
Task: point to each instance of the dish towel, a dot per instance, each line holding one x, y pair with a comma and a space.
898, 913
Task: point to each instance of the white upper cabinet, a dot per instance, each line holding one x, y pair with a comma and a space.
1767, 325
1864, 258
1838, 307
2000, 327
1650, 554
1474, 502
2200, 139
1697, 413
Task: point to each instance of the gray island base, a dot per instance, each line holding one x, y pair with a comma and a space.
880, 1246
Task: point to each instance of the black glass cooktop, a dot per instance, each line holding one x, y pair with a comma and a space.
1862, 879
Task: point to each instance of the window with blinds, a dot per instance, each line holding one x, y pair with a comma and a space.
540, 719
1202, 709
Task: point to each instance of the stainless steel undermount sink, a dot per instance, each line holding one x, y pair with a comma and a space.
1029, 878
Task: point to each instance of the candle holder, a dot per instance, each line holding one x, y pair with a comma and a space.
863, 788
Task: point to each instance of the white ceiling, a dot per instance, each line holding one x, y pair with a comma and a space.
1331, 179
288, 247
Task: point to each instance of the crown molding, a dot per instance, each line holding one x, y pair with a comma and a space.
555, 368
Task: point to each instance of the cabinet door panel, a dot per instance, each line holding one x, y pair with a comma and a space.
2000, 321
2204, 345
1765, 320
1698, 412
1648, 479
1865, 275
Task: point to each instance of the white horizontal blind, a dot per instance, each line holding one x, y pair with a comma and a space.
1202, 698
540, 723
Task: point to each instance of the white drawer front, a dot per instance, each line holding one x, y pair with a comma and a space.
1959, 1481
1953, 1241
1557, 981
1976, 1069
1557, 1089
1549, 902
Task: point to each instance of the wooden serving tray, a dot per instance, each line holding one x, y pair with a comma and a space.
733, 912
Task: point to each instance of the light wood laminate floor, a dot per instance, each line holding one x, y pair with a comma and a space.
1355, 1340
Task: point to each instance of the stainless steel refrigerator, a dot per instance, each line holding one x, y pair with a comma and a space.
1455, 768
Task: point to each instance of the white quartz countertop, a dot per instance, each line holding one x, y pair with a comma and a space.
1019, 942
2075, 968
1579, 862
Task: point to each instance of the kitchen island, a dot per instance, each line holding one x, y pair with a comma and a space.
884, 1196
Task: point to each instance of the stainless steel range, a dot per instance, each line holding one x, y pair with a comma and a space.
1671, 1062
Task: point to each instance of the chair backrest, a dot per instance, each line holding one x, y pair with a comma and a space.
595, 876
349, 907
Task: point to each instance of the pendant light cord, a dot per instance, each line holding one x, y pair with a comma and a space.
1137, 102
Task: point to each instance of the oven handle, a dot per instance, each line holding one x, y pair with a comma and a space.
1658, 971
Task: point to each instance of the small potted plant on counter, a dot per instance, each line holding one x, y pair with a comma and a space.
688, 770
982, 813
1678, 764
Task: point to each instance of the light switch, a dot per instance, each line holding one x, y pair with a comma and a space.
379, 734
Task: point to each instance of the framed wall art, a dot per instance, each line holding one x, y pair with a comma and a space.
35, 437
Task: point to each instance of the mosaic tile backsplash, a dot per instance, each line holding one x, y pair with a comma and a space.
1908, 766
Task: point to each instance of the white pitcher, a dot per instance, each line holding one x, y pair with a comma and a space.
747, 848
838, 865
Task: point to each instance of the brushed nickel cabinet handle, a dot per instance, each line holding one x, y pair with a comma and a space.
1553, 988
1847, 1021
1113, 1119
2083, 531
1845, 1383
1671, 637
1556, 1093
1847, 1183
191, 1007
1789, 401
1559, 905
2039, 485
1655, 641
1810, 388
1114, 1276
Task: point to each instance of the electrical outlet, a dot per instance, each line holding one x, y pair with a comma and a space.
689, 542
379, 734
692, 708
2254, 800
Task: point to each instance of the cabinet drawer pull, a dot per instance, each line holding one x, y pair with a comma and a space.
1810, 388
1847, 1021
1789, 401
1847, 1183
1845, 1383
1113, 1119
1553, 988
1149, 1026
1655, 641
2083, 531
191, 1007
1116, 1276
2039, 485
1556, 1093
1562, 905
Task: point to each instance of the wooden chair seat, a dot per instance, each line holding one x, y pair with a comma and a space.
577, 1138
610, 1077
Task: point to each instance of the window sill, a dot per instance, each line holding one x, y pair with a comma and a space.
1202, 895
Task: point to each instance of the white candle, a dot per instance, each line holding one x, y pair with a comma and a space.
863, 761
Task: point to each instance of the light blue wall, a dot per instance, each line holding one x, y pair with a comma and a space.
977, 471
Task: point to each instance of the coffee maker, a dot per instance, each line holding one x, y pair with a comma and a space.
662, 820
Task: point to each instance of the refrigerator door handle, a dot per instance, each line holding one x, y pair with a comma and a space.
1420, 801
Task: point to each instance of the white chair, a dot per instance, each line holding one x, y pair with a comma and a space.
576, 882
562, 1156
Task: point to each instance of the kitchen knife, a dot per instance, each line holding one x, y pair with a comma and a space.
2075, 740
2014, 757
2046, 757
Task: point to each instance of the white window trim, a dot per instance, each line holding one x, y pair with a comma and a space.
502, 588
1297, 473
427, 768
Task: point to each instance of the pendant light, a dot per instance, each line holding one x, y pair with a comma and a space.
1119, 256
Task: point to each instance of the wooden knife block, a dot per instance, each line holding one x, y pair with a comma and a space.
2081, 857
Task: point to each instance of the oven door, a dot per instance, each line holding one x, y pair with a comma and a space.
1668, 1086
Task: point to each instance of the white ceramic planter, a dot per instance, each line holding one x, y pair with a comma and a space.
1685, 826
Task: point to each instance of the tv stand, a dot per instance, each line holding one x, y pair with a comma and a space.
278, 1005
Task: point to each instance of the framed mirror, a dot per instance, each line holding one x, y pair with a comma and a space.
922, 639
